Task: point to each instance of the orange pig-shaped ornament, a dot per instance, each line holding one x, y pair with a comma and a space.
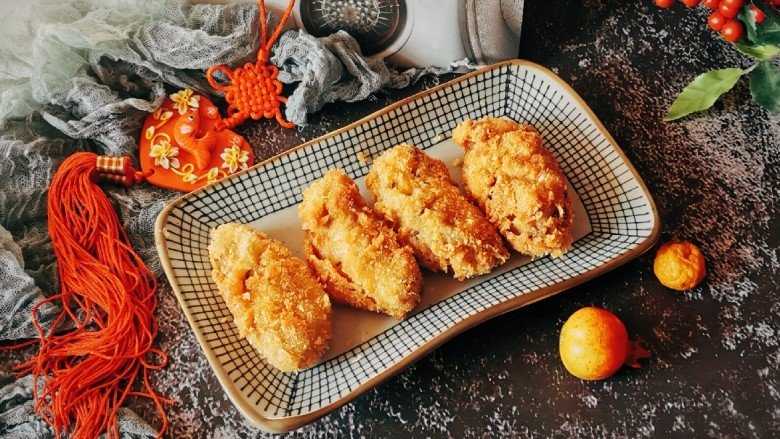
180, 148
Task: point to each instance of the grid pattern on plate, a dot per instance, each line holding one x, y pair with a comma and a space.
619, 211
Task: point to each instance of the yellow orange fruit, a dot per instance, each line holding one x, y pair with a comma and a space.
679, 265
593, 344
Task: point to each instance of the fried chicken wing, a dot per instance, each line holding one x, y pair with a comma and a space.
517, 183
415, 192
354, 253
276, 303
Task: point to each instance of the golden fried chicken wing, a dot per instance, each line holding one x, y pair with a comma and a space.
415, 192
276, 303
354, 253
517, 183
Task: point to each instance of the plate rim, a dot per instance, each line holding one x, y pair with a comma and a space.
288, 423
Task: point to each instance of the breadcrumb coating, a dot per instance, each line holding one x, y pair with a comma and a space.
276, 303
356, 255
518, 184
415, 192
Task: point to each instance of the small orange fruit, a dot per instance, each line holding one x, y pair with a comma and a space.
679, 265
594, 344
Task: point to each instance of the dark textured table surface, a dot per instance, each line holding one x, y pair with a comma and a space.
714, 178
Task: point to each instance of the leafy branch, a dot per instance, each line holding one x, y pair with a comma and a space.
761, 41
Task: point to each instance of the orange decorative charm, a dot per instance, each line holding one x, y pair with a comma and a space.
253, 90
182, 149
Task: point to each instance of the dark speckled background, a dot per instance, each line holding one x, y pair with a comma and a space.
714, 178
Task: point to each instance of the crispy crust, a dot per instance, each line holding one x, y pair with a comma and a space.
448, 233
276, 303
355, 255
518, 184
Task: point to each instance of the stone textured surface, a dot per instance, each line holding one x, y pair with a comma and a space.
714, 178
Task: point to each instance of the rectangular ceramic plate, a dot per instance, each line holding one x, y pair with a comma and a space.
615, 221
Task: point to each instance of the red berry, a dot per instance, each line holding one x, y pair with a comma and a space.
734, 4
691, 3
758, 14
727, 10
664, 3
716, 20
732, 31
712, 4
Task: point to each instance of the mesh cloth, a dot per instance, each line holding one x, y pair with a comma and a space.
82, 75
331, 69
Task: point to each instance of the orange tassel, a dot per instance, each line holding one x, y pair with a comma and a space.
253, 90
108, 293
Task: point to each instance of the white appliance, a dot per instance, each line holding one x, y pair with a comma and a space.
417, 33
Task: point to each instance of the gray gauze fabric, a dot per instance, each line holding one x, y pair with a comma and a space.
332, 68
95, 72
81, 76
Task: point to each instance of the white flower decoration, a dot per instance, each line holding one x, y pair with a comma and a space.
234, 158
183, 100
165, 154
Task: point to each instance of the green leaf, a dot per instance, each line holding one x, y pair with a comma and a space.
746, 17
765, 86
768, 31
763, 53
703, 92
